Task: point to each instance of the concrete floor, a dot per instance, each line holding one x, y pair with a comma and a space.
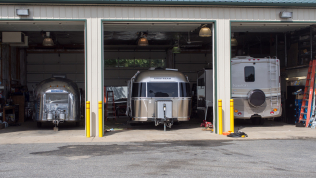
185, 159
29, 133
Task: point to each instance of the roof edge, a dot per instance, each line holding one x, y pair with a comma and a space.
153, 2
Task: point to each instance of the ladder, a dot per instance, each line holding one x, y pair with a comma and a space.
274, 82
308, 94
110, 106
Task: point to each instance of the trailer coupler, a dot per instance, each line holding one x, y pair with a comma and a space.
167, 123
56, 122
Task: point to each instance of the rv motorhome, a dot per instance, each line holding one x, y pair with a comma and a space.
256, 88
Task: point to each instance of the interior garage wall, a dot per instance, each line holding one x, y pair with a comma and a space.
10, 67
41, 66
118, 76
191, 63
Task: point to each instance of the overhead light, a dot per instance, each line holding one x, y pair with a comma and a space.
205, 32
286, 15
176, 50
22, 12
233, 41
142, 40
48, 41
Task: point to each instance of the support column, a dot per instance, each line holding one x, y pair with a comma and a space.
94, 70
223, 51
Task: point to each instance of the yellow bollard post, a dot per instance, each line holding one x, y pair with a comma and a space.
100, 119
88, 119
220, 118
232, 124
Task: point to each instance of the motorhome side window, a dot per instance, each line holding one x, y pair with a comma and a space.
249, 74
139, 90
162, 89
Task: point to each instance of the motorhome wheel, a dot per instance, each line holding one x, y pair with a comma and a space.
257, 120
256, 97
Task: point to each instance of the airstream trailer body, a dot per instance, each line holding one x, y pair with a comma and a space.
159, 95
256, 87
57, 100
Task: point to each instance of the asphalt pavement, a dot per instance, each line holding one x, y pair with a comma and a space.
205, 158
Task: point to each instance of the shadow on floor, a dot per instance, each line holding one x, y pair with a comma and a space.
32, 126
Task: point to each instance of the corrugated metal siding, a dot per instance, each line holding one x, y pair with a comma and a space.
174, 2
155, 13
223, 69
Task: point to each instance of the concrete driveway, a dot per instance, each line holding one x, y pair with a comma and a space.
123, 132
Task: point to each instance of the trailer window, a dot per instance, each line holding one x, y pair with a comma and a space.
185, 90
56, 97
139, 90
162, 89
249, 74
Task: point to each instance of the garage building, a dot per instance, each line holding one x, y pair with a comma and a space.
95, 44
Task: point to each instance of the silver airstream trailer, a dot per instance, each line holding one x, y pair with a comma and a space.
159, 95
57, 100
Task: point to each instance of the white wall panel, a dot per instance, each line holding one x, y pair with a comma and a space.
154, 13
223, 69
41, 66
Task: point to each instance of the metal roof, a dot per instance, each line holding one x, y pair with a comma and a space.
309, 3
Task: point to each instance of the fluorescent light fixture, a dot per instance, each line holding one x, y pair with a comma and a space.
205, 32
286, 15
296, 78
48, 41
22, 12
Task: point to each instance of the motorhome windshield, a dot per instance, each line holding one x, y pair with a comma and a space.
162, 89
185, 89
139, 90
249, 74
56, 97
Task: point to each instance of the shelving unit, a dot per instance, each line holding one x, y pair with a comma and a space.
306, 39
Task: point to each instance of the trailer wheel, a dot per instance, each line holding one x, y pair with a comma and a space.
39, 124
